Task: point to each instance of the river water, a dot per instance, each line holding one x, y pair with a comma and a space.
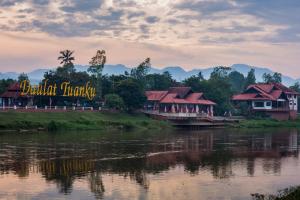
206, 164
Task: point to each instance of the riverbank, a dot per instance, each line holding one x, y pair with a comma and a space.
267, 123
53, 121
292, 193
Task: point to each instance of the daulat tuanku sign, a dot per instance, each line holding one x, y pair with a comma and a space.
65, 88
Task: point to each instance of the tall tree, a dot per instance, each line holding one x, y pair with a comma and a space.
66, 57
22, 77
132, 94
237, 81
96, 66
250, 79
159, 81
275, 78
4, 83
296, 87
220, 72
194, 82
141, 71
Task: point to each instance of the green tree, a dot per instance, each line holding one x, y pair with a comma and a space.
114, 101
200, 76
275, 78
220, 72
22, 77
237, 81
132, 94
139, 73
250, 79
96, 66
194, 82
218, 89
159, 81
296, 87
66, 58
109, 83
4, 83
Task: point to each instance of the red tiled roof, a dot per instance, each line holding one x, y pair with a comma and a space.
285, 89
194, 96
174, 95
10, 94
249, 96
13, 91
265, 91
14, 87
276, 93
155, 95
173, 98
181, 91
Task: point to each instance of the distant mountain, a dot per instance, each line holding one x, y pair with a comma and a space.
177, 72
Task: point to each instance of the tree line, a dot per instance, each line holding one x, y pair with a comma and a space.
127, 91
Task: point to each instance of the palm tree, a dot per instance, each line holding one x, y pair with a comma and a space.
66, 57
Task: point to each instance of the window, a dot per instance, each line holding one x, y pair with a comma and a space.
259, 104
295, 96
268, 104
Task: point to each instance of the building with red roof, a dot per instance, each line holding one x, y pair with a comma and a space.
273, 99
178, 100
12, 97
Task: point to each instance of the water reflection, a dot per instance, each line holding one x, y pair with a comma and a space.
62, 159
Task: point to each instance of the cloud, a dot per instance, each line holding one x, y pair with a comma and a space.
7, 3
192, 24
135, 14
82, 6
206, 7
26, 10
152, 19
41, 2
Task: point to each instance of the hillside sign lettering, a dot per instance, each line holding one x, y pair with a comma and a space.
65, 88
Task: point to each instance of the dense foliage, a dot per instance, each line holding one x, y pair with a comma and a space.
127, 91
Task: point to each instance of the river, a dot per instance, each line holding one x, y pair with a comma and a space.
206, 164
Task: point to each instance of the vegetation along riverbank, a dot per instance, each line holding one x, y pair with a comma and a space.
292, 193
53, 121
267, 123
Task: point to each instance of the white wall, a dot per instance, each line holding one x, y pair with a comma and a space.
293, 101
265, 105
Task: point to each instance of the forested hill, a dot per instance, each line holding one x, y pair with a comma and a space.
177, 72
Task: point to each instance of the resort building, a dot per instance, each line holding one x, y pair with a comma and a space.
12, 97
272, 99
180, 100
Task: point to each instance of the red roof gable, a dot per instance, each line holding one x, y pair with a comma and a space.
173, 96
155, 95
14, 87
13, 91
194, 96
181, 91
265, 91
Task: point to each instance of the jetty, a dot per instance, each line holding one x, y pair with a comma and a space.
193, 120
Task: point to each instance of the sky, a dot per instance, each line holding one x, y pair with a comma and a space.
187, 33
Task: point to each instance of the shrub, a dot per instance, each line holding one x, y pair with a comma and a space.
114, 101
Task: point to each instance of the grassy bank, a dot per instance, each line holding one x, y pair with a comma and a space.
53, 121
266, 123
292, 193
